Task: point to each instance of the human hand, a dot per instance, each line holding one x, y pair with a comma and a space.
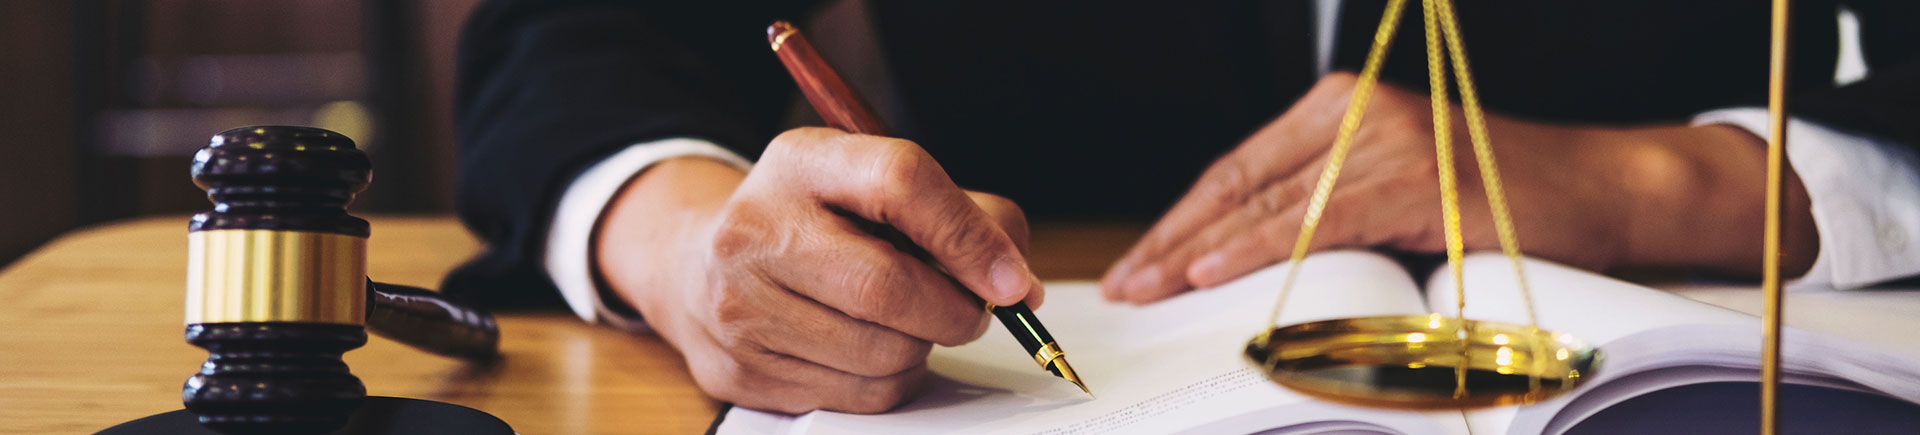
776, 292
1586, 196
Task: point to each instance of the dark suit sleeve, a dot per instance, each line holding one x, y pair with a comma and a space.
1887, 103
547, 88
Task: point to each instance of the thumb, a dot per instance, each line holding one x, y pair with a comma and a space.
1012, 221
1007, 214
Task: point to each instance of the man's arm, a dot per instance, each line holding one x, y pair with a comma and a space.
1861, 192
549, 88
1853, 148
770, 285
1591, 197
1694, 202
766, 281
569, 259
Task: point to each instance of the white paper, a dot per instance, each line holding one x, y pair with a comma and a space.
1176, 367
1170, 367
1649, 340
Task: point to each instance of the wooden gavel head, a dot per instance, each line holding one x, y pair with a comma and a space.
276, 281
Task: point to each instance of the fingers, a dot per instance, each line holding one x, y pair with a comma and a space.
767, 380
1162, 274
1014, 223
1293, 144
1138, 276
767, 317
1222, 184
1164, 264
811, 387
1370, 212
1271, 172
834, 268
894, 182
779, 329
1346, 224
1005, 213
867, 279
1268, 242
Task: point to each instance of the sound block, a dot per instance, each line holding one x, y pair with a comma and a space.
376, 416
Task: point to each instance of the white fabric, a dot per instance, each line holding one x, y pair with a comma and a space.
1326, 17
577, 216
1863, 190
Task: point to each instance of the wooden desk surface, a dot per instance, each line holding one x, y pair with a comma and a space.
90, 333
92, 324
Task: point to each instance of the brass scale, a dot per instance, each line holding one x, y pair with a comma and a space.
1493, 363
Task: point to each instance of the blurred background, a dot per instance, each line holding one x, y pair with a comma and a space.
103, 102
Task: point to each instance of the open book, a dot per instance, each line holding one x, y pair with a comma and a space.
1668, 364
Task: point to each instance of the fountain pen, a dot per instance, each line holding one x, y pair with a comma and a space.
842, 108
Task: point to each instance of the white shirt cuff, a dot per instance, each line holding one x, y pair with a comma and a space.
568, 260
1863, 190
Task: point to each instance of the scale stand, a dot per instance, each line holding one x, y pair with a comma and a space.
1416, 362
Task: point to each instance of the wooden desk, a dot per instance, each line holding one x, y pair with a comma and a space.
90, 333
91, 336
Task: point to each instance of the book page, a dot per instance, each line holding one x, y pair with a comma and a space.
1590, 306
1170, 367
1594, 308
1650, 340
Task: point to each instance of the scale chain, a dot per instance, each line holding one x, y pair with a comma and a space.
1349, 124
1449, 197
1483, 152
1447, 28
1490, 174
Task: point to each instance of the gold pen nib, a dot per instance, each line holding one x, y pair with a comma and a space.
1066, 371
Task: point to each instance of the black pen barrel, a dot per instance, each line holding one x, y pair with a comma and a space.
1026, 328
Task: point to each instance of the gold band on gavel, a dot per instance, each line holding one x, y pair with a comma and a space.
276, 276
1047, 354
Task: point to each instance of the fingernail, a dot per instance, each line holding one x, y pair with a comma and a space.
1147, 280
1010, 279
1207, 269
1117, 275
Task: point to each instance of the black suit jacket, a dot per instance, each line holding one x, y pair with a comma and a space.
1090, 109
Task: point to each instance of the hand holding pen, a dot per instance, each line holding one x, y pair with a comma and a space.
773, 290
843, 108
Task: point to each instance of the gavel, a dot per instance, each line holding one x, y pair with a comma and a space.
277, 288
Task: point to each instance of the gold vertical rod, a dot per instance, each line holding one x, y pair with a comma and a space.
1770, 263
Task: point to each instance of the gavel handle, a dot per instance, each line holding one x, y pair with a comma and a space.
426, 320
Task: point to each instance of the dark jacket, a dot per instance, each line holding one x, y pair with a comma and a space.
1106, 109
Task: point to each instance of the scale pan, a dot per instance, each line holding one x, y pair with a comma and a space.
1412, 362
